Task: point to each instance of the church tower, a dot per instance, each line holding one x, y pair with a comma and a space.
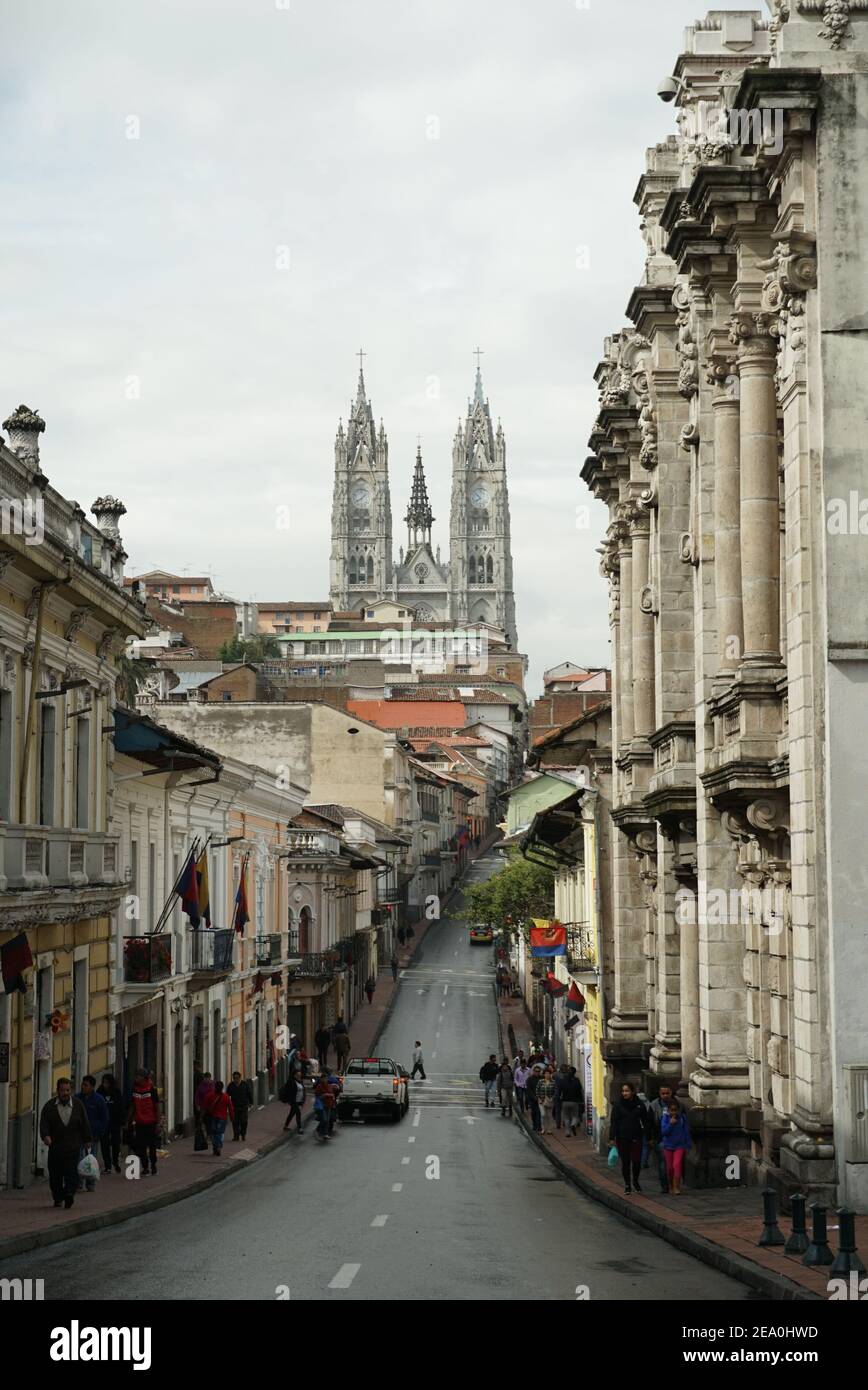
480, 551
421, 580
361, 554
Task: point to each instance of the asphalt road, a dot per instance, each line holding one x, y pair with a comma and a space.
452, 1203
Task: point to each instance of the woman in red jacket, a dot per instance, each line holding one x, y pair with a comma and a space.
220, 1110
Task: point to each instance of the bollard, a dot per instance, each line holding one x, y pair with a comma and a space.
818, 1252
797, 1242
847, 1260
772, 1233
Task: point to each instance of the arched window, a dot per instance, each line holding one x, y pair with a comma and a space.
352, 569
472, 569
290, 927
304, 933
370, 569
489, 570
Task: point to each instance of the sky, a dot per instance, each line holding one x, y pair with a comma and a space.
209, 206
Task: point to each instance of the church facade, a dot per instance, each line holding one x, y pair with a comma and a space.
475, 584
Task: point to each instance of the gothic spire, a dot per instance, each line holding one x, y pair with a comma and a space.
419, 518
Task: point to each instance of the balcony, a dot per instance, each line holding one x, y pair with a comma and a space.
75, 872
581, 949
211, 950
147, 959
431, 858
315, 965
311, 844
266, 949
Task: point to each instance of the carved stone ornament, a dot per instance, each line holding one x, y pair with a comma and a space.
6, 558
836, 25
687, 551
76, 620
688, 376
722, 373
792, 271
689, 438
647, 601
105, 649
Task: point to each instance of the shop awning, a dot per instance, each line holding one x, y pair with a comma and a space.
161, 749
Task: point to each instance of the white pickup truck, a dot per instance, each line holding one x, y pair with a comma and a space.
374, 1085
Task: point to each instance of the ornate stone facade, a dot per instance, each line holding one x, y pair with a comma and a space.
732, 419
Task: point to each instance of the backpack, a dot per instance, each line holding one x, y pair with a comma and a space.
285, 1093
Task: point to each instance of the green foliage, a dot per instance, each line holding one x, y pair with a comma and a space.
251, 649
131, 673
521, 890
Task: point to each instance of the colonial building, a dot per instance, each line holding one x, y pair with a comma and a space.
64, 616
729, 448
475, 584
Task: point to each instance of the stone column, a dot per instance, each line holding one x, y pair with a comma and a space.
759, 503
727, 515
643, 632
625, 644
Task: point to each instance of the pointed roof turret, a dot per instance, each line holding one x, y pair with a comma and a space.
419, 517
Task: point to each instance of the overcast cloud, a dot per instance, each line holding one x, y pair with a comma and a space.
302, 131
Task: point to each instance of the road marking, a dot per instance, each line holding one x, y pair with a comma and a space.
412, 1139
397, 1187
344, 1277
445, 990
433, 1055
416, 1118
436, 1035
470, 1120
379, 1220
405, 1160
401, 974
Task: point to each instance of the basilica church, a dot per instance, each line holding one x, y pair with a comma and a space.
475, 584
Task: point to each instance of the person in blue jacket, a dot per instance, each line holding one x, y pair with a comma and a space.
98, 1118
676, 1141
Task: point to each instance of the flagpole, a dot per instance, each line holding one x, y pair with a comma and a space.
168, 905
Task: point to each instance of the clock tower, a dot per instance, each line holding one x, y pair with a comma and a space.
480, 551
361, 557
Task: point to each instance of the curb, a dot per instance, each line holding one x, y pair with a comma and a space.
36, 1240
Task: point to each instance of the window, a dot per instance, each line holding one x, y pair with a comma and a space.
82, 772
176, 588
6, 717
370, 569
47, 744
227, 695
317, 616
369, 612
317, 629
194, 588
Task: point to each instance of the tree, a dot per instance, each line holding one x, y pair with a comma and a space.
131, 674
520, 891
253, 649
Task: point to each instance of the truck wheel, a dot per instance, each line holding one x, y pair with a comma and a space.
397, 1113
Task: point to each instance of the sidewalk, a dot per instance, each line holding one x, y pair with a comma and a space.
29, 1219
720, 1226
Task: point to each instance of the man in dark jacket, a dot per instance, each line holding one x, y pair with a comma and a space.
322, 1039
241, 1095
572, 1100
111, 1139
657, 1107
630, 1123
64, 1128
530, 1096
97, 1117
488, 1076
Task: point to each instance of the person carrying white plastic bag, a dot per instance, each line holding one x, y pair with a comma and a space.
88, 1168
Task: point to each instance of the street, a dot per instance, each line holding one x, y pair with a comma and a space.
364, 1218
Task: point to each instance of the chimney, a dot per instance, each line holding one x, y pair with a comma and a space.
24, 427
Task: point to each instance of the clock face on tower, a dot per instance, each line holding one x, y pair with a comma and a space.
479, 497
360, 496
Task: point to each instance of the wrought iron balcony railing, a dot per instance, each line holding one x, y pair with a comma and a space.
211, 948
581, 949
318, 965
267, 949
147, 958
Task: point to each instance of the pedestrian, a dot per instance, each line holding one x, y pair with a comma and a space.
505, 983
629, 1124
336, 1086
657, 1109
521, 1072
204, 1092
505, 1088
561, 1075
545, 1094
241, 1095
292, 1094
531, 1085
64, 1129
394, 964
572, 1101
322, 1105
221, 1110
143, 1119
676, 1142
97, 1118
342, 1043
370, 986
402, 936
519, 1060
418, 1062
111, 1139
488, 1076
322, 1039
